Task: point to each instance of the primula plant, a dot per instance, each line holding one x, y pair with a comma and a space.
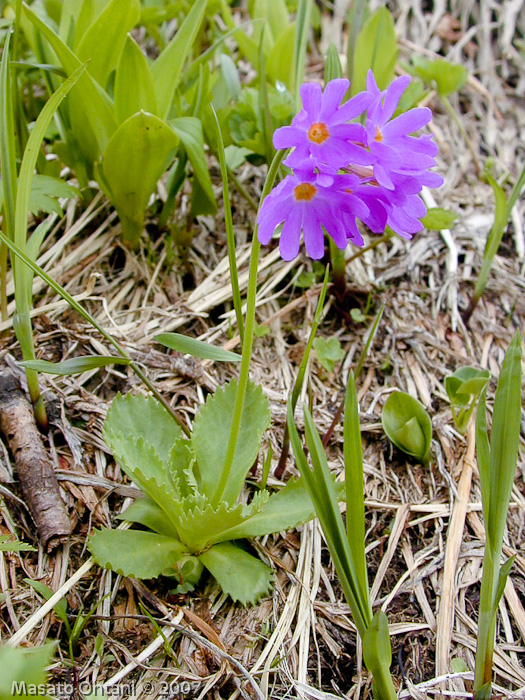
187, 529
344, 171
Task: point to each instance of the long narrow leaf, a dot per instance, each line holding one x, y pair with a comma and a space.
355, 499
196, 348
7, 141
76, 365
168, 67
302, 29
504, 440
494, 237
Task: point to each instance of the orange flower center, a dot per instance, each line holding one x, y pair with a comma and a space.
379, 135
318, 132
305, 192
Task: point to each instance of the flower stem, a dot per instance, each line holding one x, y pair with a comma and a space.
247, 347
337, 258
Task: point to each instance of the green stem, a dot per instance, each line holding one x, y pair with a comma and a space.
87, 316
337, 258
486, 619
242, 190
383, 686
234, 275
249, 327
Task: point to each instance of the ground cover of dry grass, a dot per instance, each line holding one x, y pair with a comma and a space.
424, 528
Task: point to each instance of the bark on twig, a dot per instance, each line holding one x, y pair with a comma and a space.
35, 469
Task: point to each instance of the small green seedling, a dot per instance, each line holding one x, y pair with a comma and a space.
463, 389
187, 531
444, 76
328, 351
437, 219
408, 425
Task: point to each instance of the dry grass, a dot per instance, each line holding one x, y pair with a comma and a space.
424, 528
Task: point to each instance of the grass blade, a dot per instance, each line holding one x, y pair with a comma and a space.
302, 29
196, 348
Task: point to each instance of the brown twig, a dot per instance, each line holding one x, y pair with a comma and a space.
35, 469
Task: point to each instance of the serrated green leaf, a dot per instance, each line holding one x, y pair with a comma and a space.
167, 69
103, 42
189, 131
446, 76
44, 192
135, 552
196, 348
407, 424
7, 544
211, 433
437, 219
200, 527
243, 577
144, 511
135, 158
180, 468
134, 89
287, 508
135, 416
376, 49
76, 365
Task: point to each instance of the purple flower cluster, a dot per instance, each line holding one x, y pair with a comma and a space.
371, 171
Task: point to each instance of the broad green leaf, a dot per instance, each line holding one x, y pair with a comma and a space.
44, 192
279, 65
201, 527
408, 425
196, 348
145, 511
376, 49
494, 238
103, 42
135, 552
437, 219
187, 571
135, 158
23, 665
93, 102
10, 545
76, 365
211, 433
328, 351
287, 508
231, 75
504, 441
134, 89
446, 76
168, 67
189, 131
135, 416
458, 665
465, 383
180, 468
243, 577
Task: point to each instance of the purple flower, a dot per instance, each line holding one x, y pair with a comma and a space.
394, 150
320, 132
303, 204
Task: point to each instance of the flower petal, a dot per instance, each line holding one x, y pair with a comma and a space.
313, 234
333, 94
311, 97
291, 235
287, 137
393, 95
408, 122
